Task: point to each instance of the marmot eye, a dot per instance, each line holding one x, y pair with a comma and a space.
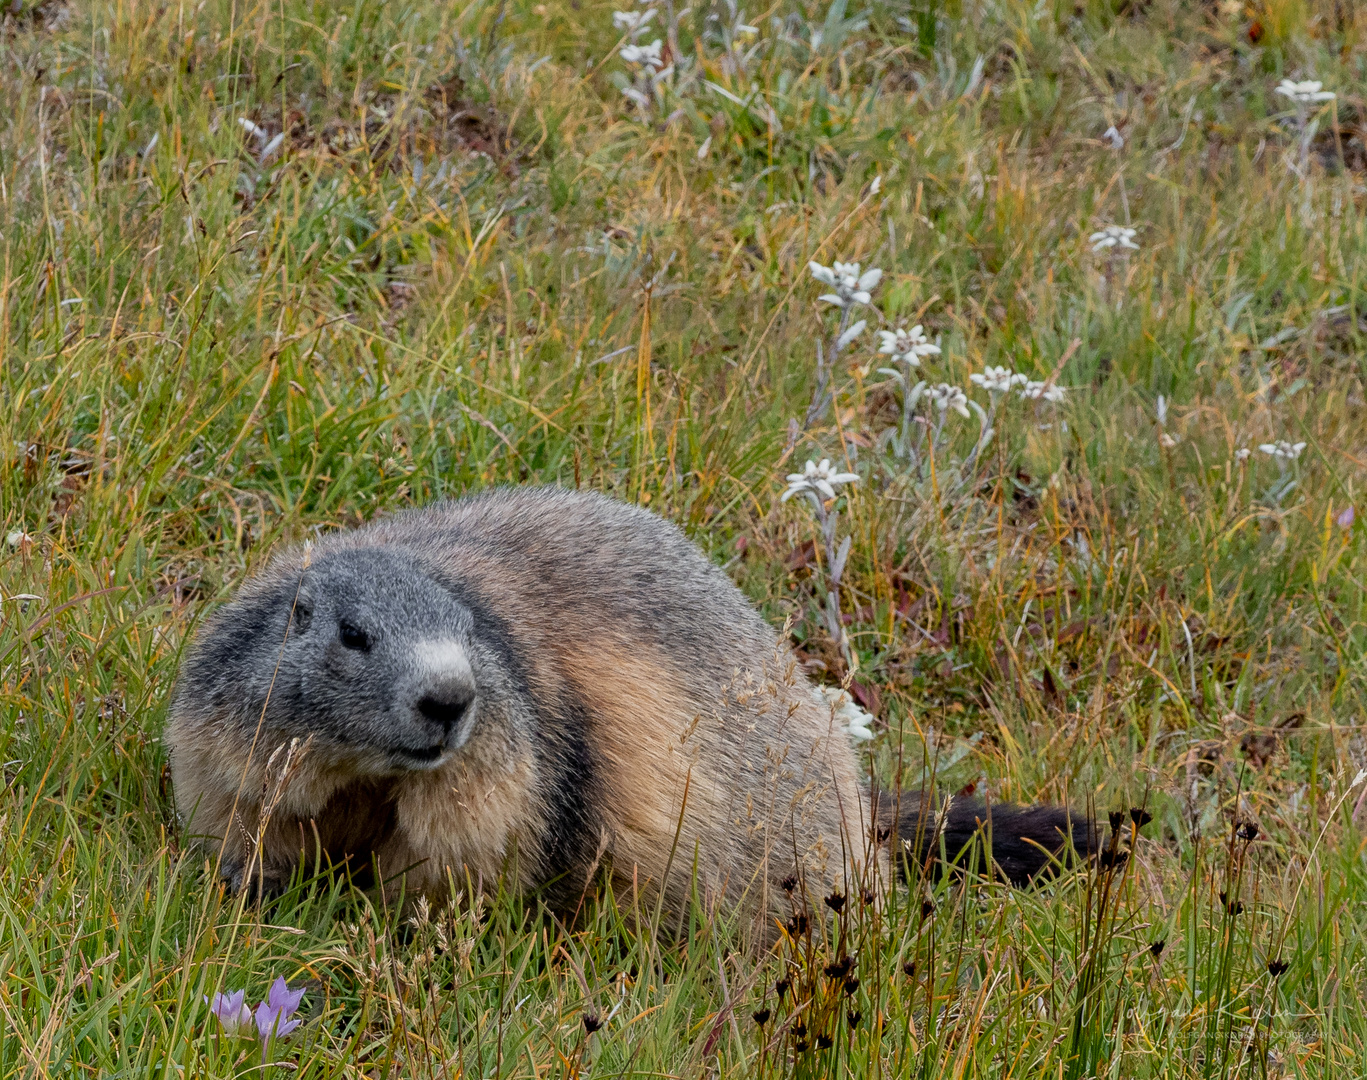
353, 637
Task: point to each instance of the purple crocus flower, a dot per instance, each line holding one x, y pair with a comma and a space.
273, 1015
1346, 517
231, 1010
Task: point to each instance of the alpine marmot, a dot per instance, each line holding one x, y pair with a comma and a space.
542, 683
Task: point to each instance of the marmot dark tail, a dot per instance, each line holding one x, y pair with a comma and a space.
1026, 840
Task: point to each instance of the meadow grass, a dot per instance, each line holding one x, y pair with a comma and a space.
473, 260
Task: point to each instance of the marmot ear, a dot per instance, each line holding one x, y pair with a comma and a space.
303, 615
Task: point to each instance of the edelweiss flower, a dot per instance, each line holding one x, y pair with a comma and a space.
946, 396
632, 21
1283, 450
857, 721
649, 55
1309, 92
1034, 390
997, 380
907, 346
821, 479
1113, 236
851, 287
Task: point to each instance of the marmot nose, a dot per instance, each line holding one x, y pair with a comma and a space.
444, 709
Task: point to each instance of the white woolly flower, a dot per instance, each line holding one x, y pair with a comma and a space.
858, 722
1166, 440
17, 537
1283, 450
1242, 454
633, 22
907, 346
1113, 236
1113, 136
851, 287
997, 380
822, 478
1035, 390
1309, 92
647, 55
947, 397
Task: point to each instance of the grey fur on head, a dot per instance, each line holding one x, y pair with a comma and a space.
379, 661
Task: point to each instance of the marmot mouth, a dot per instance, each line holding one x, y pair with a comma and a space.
425, 754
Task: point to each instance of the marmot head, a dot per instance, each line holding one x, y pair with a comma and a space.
379, 662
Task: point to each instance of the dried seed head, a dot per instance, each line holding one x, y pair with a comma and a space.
927, 908
1157, 948
1247, 832
851, 985
1116, 817
788, 884
800, 1046
1140, 816
797, 925
824, 1042
867, 897
1277, 968
836, 902
592, 1022
761, 1016
854, 1016
782, 986
909, 968
800, 1030
1232, 905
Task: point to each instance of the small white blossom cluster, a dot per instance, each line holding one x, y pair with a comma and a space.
646, 55
1036, 390
946, 396
907, 346
1282, 450
1309, 92
1113, 236
647, 59
633, 22
818, 478
856, 720
998, 380
851, 287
